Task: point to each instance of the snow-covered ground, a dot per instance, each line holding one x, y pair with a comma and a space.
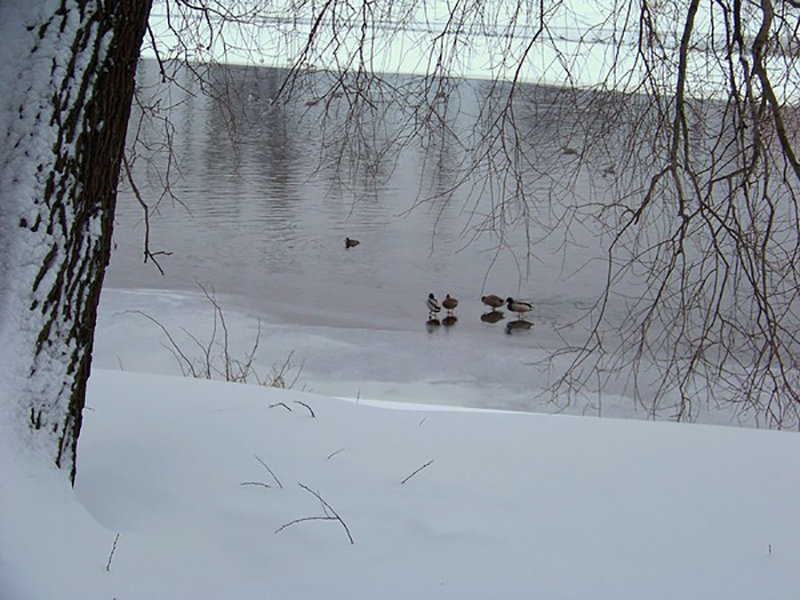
495, 504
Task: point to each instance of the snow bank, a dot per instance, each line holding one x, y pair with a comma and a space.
509, 505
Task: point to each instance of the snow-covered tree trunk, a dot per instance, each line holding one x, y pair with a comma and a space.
67, 75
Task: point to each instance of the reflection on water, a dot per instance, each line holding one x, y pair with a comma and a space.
267, 199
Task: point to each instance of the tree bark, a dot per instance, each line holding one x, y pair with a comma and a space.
69, 75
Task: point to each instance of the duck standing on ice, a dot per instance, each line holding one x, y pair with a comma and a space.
433, 306
493, 301
449, 304
519, 306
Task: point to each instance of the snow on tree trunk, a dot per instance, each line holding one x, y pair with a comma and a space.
67, 73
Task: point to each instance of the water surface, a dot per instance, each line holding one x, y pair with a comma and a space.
264, 198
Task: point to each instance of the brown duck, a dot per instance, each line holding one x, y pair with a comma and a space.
449, 304
493, 301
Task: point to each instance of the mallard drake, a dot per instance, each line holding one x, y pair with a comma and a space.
519, 306
433, 305
493, 301
350, 243
450, 304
